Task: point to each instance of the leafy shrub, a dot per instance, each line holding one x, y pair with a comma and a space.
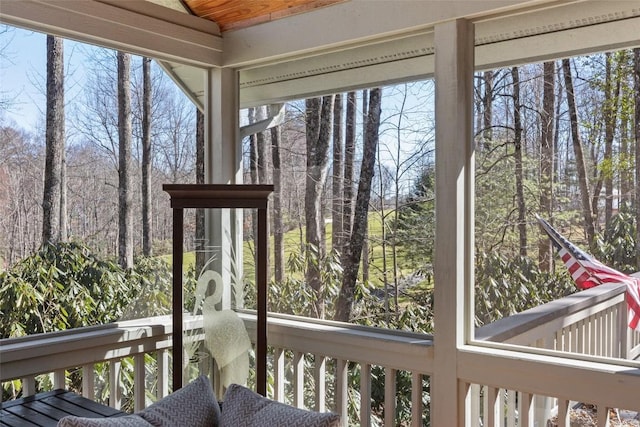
507, 286
617, 247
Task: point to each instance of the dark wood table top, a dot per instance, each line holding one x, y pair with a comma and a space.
45, 409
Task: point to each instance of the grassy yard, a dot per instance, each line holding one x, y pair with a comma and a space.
292, 243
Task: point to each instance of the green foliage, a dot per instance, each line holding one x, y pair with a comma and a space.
617, 247
505, 286
414, 229
59, 287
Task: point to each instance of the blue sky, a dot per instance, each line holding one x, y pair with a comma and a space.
23, 74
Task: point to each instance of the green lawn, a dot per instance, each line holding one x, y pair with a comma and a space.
292, 244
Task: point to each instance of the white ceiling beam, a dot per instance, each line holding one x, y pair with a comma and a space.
349, 24
563, 31
151, 31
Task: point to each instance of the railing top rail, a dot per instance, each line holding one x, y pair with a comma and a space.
510, 328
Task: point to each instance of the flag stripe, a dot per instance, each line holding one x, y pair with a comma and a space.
588, 272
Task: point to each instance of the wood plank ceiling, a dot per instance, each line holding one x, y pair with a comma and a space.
234, 14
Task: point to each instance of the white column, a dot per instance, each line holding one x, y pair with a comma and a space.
223, 165
454, 59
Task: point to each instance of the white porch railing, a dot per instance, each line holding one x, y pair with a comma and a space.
292, 340
311, 360
592, 322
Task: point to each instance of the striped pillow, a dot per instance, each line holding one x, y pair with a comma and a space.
244, 408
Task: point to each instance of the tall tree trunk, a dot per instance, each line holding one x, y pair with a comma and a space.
125, 217
201, 254
636, 80
546, 162
55, 135
64, 225
365, 232
349, 160
517, 124
611, 94
147, 237
338, 176
351, 257
589, 224
487, 108
318, 133
278, 227
626, 178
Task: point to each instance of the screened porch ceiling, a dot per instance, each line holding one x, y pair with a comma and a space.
292, 49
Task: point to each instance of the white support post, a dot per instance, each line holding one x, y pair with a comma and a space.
454, 62
223, 165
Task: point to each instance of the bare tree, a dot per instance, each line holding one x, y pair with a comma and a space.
580, 161
349, 160
487, 107
351, 256
55, 135
610, 111
636, 79
318, 131
338, 175
546, 161
147, 236
125, 213
517, 129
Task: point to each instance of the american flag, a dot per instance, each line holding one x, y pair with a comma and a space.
588, 272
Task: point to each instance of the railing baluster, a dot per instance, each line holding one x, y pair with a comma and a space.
88, 382
474, 406
416, 399
278, 375
511, 408
563, 413
320, 382
389, 397
162, 374
59, 378
139, 386
485, 406
365, 395
342, 394
29, 386
581, 337
525, 414
493, 414
114, 384
298, 380
603, 416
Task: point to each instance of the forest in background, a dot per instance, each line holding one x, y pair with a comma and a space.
560, 139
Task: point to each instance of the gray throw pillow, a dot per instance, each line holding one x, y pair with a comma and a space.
126, 421
244, 408
194, 405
